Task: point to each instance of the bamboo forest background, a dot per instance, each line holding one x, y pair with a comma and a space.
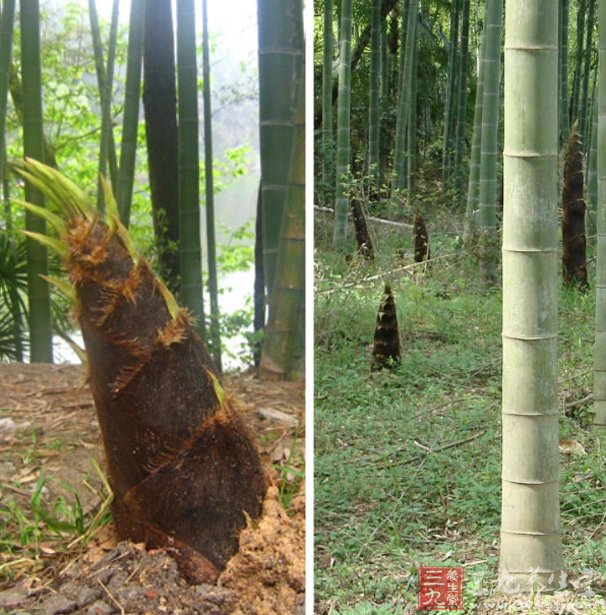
430, 81
110, 100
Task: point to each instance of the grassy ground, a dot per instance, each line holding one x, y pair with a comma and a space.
408, 462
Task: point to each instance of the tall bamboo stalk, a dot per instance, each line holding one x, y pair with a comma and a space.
592, 170
6, 50
280, 64
328, 144
576, 82
190, 251
105, 77
289, 290
403, 115
40, 332
161, 134
341, 223
459, 141
374, 99
586, 77
564, 122
411, 133
531, 554
213, 283
130, 119
450, 89
473, 186
17, 308
490, 129
599, 353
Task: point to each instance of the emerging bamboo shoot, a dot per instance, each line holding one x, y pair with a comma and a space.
184, 469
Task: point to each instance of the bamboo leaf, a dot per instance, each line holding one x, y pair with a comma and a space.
53, 219
171, 303
50, 242
219, 391
62, 286
110, 202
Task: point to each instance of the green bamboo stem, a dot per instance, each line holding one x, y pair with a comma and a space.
586, 78
16, 307
592, 171
384, 77
461, 98
411, 136
213, 283
281, 51
473, 186
328, 145
490, 129
564, 122
599, 356
403, 115
374, 99
161, 135
107, 153
190, 251
450, 89
576, 83
6, 48
531, 554
341, 222
289, 291
40, 331
130, 119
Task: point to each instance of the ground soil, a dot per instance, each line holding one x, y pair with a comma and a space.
48, 429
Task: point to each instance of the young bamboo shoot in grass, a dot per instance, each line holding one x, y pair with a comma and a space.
574, 242
386, 347
183, 468
422, 252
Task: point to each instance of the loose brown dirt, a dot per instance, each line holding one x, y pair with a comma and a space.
51, 492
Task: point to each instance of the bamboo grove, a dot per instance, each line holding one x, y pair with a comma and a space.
415, 115
145, 137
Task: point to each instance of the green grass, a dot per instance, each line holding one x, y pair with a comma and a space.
407, 463
39, 528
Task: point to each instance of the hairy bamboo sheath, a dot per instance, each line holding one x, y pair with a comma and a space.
185, 472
